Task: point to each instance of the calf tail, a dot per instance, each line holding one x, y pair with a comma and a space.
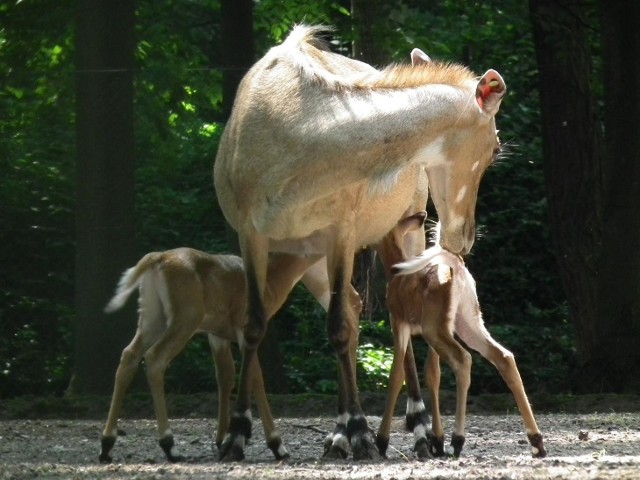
435, 255
130, 280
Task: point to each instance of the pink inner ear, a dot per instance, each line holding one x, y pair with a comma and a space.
485, 90
482, 94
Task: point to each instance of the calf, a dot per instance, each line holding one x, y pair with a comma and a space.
185, 291
434, 295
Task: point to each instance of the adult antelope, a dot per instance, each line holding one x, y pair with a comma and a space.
323, 154
434, 295
184, 292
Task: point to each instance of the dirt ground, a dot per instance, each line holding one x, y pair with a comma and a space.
580, 445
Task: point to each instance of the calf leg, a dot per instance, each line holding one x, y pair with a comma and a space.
274, 441
460, 361
401, 338
129, 362
479, 339
157, 359
416, 418
225, 376
432, 380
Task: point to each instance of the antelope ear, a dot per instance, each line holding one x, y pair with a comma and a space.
489, 92
418, 57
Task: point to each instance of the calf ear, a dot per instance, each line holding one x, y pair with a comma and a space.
489, 92
412, 222
418, 57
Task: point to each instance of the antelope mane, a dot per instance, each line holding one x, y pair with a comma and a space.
313, 60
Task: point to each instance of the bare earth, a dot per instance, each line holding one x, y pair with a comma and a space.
580, 446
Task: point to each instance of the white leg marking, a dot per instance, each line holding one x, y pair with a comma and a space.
419, 432
342, 419
415, 407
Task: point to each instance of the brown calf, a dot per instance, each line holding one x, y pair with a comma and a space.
434, 295
183, 292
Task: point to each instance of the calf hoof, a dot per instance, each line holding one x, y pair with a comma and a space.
457, 442
537, 446
382, 444
106, 445
167, 444
278, 449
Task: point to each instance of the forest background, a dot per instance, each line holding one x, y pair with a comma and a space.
557, 277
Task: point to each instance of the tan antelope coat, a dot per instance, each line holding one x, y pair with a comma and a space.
322, 155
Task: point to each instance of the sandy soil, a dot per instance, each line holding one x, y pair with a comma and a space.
580, 446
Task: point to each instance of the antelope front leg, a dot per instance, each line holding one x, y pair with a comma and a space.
336, 444
255, 256
341, 336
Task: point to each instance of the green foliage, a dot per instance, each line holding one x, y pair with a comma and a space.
375, 355
178, 114
309, 365
37, 197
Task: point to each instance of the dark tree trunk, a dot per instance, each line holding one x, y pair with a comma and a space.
237, 48
615, 359
105, 224
572, 153
367, 278
238, 55
365, 14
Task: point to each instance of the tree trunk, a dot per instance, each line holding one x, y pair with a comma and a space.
105, 224
572, 153
615, 359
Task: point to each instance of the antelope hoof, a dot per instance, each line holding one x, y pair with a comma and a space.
362, 445
363, 448
335, 453
436, 446
537, 446
107, 444
231, 450
336, 444
423, 449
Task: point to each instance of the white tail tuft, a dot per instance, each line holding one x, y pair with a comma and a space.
431, 256
126, 286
